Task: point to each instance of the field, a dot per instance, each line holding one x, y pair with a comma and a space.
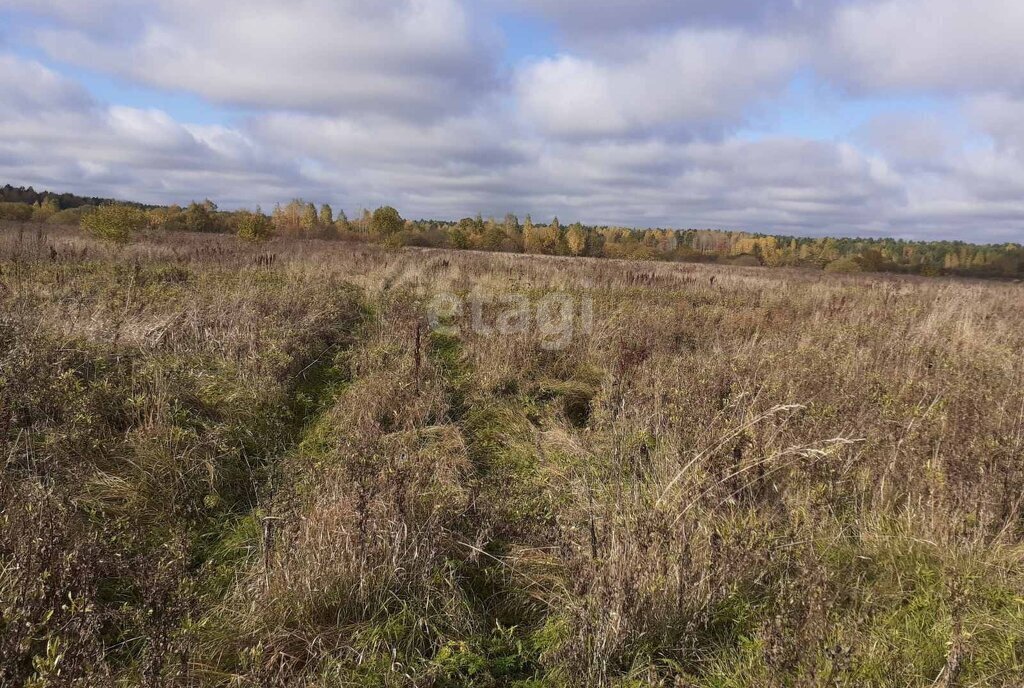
299, 464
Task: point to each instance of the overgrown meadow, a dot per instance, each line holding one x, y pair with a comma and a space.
229, 464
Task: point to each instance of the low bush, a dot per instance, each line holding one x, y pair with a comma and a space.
18, 212
115, 222
71, 216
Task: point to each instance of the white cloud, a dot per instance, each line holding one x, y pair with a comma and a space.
945, 45
95, 14
475, 163
28, 87
687, 81
962, 179
433, 169
55, 137
454, 141
1001, 117
921, 142
416, 57
603, 17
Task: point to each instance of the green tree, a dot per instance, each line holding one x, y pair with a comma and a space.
386, 221
466, 224
326, 215
310, 220
199, 217
872, 260
458, 238
116, 222
342, 223
254, 227
843, 265
493, 237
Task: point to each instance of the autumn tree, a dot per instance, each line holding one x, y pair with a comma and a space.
199, 217
576, 240
171, 218
469, 226
326, 215
288, 219
309, 220
513, 232
342, 224
494, 236
45, 209
511, 226
386, 221
532, 237
277, 217
254, 227
547, 240
458, 237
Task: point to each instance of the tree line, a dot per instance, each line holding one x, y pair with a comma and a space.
302, 219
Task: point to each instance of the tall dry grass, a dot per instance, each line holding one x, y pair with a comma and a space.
236, 465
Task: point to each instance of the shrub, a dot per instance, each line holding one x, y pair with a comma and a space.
746, 260
199, 217
45, 210
254, 227
171, 218
19, 212
843, 265
429, 238
116, 222
71, 216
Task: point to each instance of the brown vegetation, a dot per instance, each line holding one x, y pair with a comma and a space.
239, 464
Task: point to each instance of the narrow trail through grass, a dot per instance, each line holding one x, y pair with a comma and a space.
314, 387
506, 533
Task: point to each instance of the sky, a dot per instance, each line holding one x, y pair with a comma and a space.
863, 118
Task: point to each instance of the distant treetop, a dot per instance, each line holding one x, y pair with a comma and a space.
26, 194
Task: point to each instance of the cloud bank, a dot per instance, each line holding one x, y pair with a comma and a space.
647, 113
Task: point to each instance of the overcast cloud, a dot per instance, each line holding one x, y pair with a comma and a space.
639, 112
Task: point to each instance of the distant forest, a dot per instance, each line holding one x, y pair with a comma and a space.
300, 219
64, 201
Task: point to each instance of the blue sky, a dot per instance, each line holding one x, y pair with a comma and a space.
526, 37
855, 117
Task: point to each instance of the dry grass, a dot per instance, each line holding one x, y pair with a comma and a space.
231, 465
